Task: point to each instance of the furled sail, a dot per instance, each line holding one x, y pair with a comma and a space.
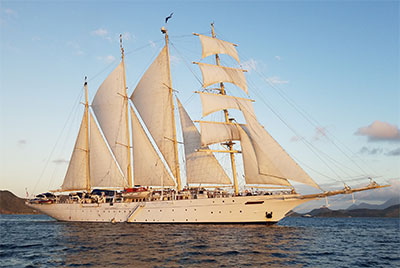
104, 171
201, 167
250, 162
109, 106
217, 132
213, 46
149, 170
272, 158
76, 176
211, 103
213, 74
152, 100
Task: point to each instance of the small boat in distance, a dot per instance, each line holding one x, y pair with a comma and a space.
103, 187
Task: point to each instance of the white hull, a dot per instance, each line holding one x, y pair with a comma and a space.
241, 209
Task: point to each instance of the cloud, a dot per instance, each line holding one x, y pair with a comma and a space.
21, 142
108, 58
60, 161
100, 32
395, 152
278, 57
320, 132
152, 44
380, 131
372, 151
36, 38
250, 65
127, 36
76, 47
276, 80
295, 139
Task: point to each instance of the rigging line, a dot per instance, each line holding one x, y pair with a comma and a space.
308, 144
185, 61
149, 44
309, 118
76, 102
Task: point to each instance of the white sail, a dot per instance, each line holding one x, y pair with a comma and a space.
250, 162
217, 132
76, 176
148, 168
213, 46
213, 74
201, 167
104, 171
152, 100
211, 103
109, 107
272, 158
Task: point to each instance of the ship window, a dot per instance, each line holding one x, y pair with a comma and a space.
240, 211
185, 209
173, 210
148, 210
195, 209
160, 210
186, 219
233, 200
219, 211
212, 212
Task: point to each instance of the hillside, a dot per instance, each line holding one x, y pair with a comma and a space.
12, 204
390, 212
391, 202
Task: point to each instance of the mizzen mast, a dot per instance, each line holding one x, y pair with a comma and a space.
229, 143
178, 176
127, 114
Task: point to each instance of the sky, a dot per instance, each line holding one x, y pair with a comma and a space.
324, 74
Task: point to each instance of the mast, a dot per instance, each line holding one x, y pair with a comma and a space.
229, 144
178, 175
127, 116
87, 138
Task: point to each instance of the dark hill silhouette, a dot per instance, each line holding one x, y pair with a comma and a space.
12, 204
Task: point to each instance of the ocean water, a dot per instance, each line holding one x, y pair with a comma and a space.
39, 241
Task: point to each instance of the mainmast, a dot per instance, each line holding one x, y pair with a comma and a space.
87, 138
127, 116
230, 143
178, 176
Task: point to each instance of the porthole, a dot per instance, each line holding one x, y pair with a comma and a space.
223, 201
212, 212
240, 211
160, 210
220, 212
186, 219
185, 209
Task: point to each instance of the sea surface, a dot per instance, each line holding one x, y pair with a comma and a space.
39, 241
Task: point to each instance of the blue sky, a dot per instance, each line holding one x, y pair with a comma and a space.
337, 60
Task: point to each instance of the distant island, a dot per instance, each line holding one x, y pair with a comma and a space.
12, 204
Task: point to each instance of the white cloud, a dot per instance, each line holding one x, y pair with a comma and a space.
108, 58
380, 131
10, 12
250, 65
276, 80
278, 57
100, 32
76, 47
152, 44
127, 36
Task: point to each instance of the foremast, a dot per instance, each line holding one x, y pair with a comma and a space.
228, 143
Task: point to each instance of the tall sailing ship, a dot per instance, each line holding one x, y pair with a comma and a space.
99, 175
